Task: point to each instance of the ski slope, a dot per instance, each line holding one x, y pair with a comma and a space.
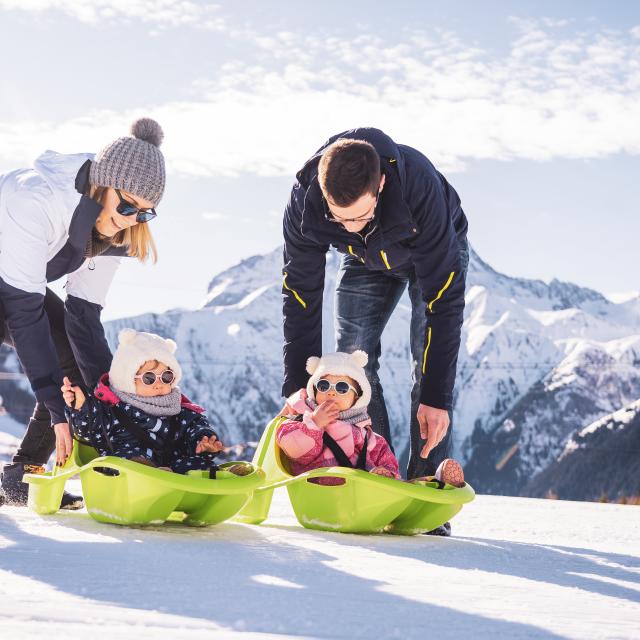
515, 568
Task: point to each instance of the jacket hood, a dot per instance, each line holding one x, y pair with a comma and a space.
59, 171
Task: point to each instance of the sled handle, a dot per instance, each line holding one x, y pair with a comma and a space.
106, 471
450, 495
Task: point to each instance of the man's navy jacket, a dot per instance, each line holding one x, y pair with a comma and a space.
419, 224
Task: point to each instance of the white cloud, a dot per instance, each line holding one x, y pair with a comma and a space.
213, 215
550, 96
189, 13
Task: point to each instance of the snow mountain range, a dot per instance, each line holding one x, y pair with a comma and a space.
538, 363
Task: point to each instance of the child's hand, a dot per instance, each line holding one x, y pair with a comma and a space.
72, 393
382, 471
210, 444
326, 413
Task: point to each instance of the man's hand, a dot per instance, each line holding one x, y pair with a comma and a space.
210, 444
326, 413
64, 442
72, 394
433, 427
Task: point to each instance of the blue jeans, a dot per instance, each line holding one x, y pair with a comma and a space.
364, 302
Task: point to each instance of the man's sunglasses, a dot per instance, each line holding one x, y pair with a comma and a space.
149, 377
341, 387
126, 208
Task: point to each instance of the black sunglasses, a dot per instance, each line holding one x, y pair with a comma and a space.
342, 387
126, 208
149, 377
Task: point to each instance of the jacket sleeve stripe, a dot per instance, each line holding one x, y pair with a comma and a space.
295, 293
426, 350
430, 307
446, 286
354, 254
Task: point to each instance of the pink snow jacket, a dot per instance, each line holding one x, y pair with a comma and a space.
302, 441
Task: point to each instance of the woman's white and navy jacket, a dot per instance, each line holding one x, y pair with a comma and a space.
419, 224
45, 224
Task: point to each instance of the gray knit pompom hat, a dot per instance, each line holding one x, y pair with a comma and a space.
133, 163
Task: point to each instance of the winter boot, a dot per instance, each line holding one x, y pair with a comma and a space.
450, 472
443, 530
240, 469
16, 491
71, 502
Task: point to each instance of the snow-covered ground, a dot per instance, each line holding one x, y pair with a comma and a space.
516, 568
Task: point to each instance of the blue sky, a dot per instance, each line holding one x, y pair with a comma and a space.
530, 109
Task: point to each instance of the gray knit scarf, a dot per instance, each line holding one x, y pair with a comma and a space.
158, 406
352, 415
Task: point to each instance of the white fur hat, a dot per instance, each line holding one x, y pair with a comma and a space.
134, 349
341, 364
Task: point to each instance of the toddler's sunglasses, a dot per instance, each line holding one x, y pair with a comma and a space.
149, 377
126, 208
341, 387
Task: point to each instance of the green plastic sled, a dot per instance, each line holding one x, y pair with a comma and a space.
365, 503
119, 491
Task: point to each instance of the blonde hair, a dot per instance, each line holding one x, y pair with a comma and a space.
137, 239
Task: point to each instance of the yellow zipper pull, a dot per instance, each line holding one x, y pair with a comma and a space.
355, 255
384, 258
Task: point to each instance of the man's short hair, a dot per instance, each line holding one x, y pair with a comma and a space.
348, 170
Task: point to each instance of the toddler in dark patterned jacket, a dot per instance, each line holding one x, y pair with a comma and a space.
137, 411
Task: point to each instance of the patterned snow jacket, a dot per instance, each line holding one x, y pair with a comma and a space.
113, 428
302, 441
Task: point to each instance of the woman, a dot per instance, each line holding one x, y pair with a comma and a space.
72, 215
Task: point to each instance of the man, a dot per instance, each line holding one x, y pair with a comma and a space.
398, 223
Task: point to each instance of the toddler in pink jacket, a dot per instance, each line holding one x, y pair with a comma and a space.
329, 425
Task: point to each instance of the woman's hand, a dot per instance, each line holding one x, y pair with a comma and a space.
64, 442
210, 444
326, 413
72, 394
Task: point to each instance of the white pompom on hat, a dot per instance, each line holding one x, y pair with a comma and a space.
341, 364
134, 349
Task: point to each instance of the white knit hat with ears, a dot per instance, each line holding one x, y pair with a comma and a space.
341, 364
134, 349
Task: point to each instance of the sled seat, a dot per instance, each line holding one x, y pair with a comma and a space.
363, 503
123, 492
